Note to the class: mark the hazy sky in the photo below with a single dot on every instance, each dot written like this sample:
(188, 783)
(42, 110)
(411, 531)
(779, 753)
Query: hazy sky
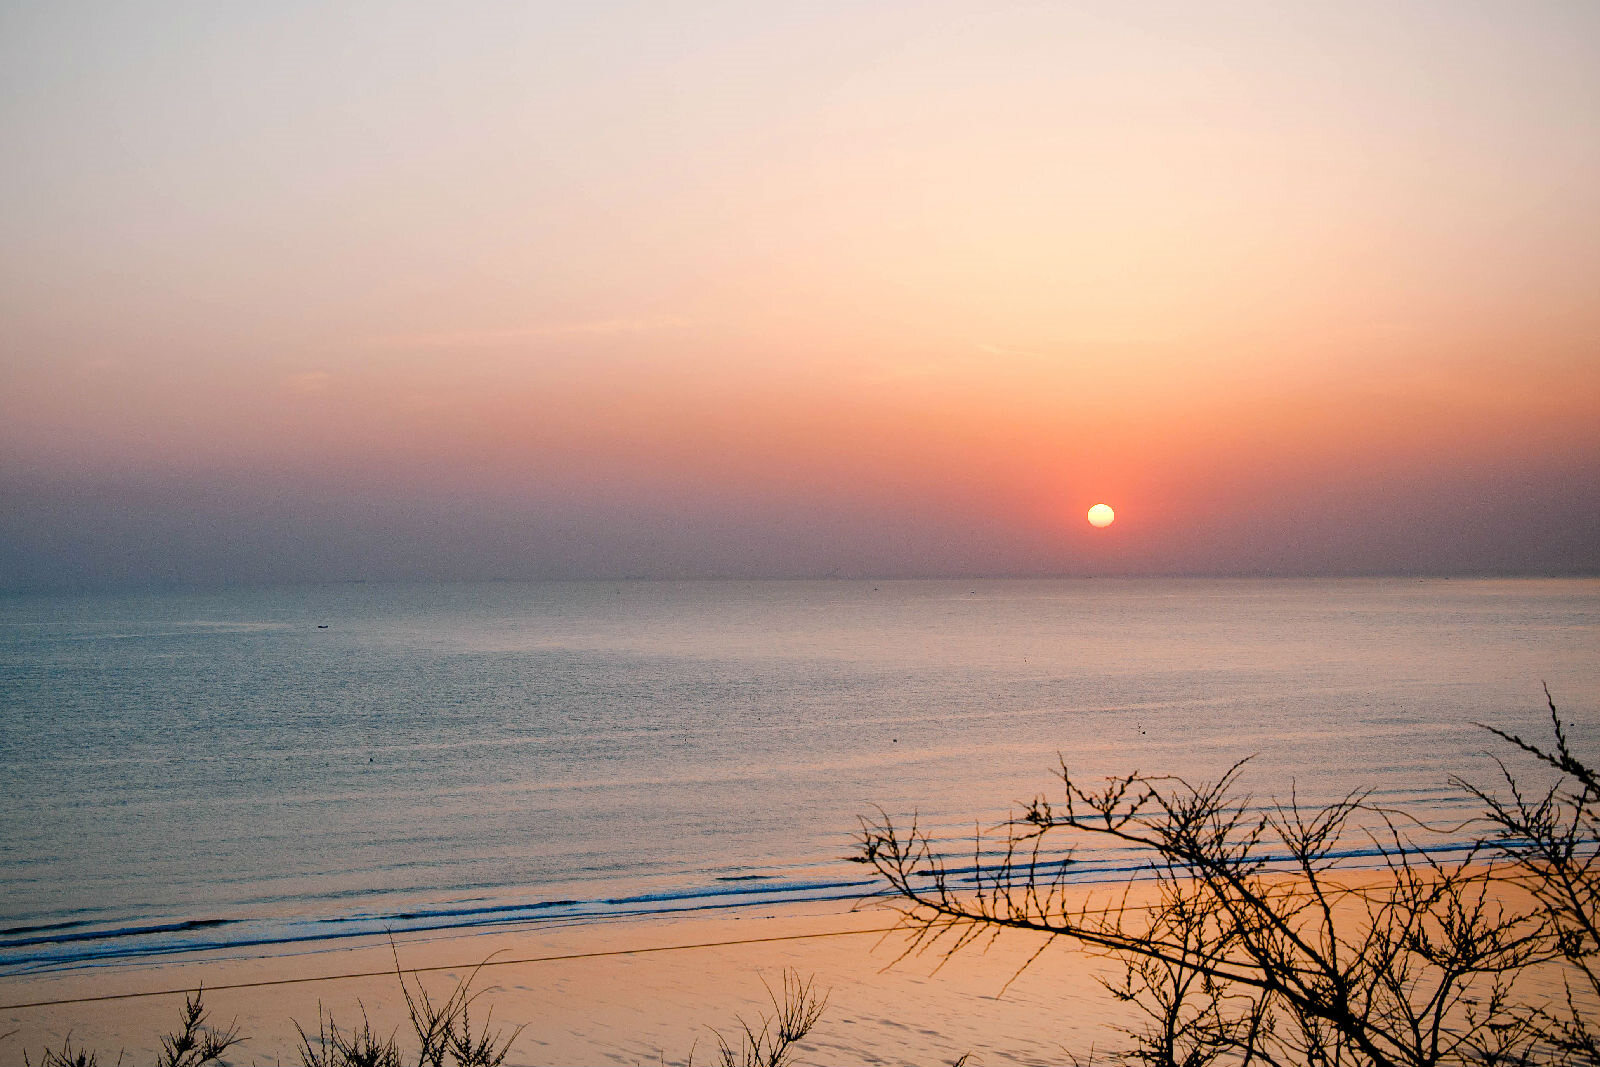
(308, 291)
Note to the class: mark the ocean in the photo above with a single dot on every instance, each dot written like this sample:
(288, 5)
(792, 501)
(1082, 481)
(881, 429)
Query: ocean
(255, 769)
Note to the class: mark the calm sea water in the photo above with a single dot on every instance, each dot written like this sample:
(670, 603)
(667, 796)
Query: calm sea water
(265, 767)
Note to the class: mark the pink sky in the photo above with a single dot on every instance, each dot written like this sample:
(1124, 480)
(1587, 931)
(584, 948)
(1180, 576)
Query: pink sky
(698, 289)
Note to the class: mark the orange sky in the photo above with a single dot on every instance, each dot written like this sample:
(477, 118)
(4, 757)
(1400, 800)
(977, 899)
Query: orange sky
(699, 289)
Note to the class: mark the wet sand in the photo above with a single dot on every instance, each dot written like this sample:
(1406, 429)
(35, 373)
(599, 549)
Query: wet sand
(612, 993)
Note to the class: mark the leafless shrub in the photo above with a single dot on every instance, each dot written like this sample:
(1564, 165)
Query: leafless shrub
(194, 1044)
(1246, 939)
(67, 1057)
(444, 1030)
(1550, 841)
(359, 1047)
(796, 1008)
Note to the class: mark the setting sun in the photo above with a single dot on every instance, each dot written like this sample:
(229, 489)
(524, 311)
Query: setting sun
(1101, 515)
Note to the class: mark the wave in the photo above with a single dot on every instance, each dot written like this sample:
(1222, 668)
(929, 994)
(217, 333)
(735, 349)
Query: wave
(66, 945)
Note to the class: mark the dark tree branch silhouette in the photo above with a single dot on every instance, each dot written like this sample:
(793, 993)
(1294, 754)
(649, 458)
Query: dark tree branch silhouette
(796, 1008)
(1248, 938)
(1549, 841)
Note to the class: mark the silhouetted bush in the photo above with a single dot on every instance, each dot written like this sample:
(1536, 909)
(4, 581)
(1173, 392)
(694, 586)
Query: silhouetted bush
(771, 1044)
(446, 1037)
(194, 1044)
(1247, 938)
(1548, 842)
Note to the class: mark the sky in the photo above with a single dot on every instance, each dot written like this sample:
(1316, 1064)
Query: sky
(318, 292)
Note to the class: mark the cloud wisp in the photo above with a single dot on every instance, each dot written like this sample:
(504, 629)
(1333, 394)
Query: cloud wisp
(494, 338)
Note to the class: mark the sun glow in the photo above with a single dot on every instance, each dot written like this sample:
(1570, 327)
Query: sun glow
(1101, 515)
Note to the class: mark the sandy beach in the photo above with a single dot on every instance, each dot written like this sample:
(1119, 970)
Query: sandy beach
(615, 993)
(649, 991)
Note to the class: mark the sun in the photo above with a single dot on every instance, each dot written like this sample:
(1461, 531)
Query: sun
(1101, 515)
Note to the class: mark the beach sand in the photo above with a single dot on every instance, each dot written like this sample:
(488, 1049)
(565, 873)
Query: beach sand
(629, 992)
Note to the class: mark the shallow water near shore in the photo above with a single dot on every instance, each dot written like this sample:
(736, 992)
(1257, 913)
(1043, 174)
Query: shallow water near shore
(253, 770)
